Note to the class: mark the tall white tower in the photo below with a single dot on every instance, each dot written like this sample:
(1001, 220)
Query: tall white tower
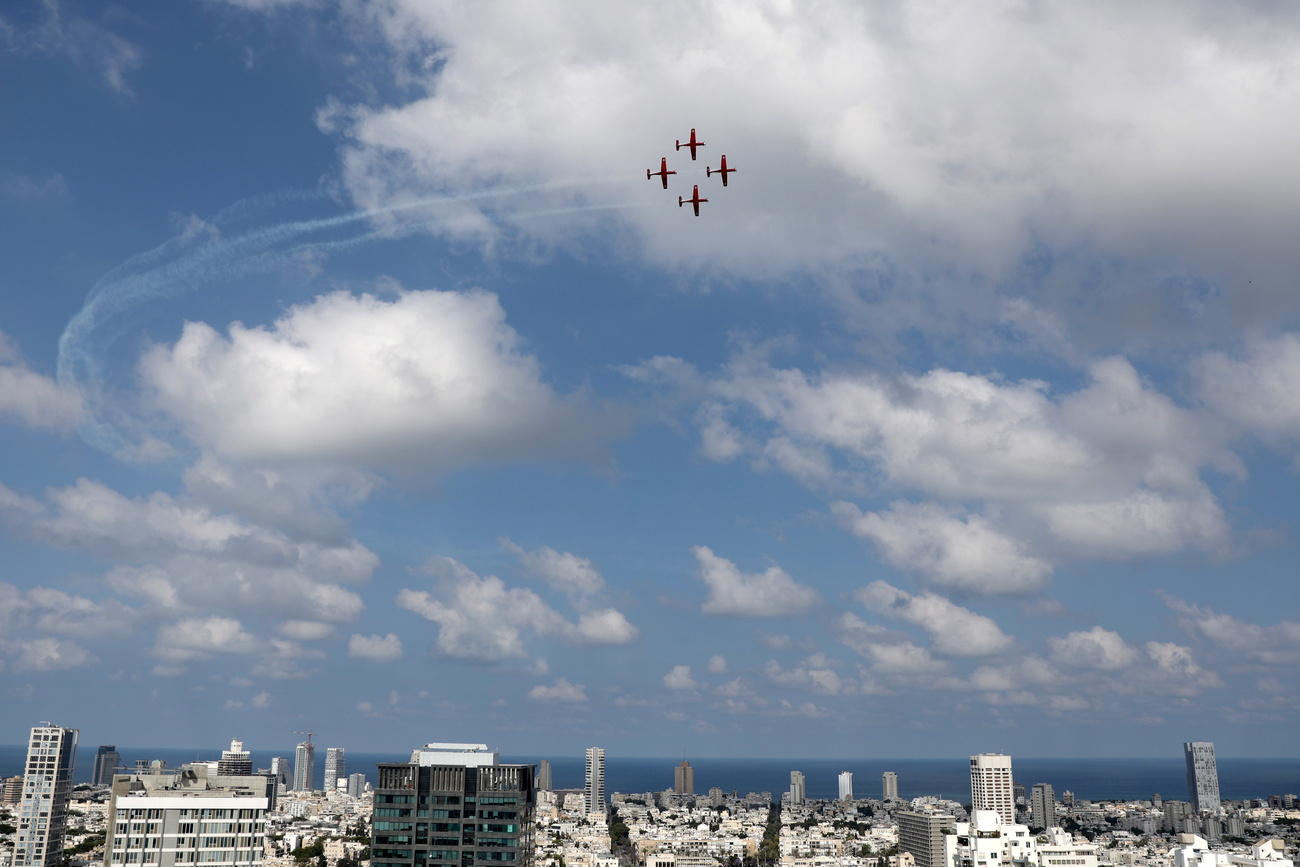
(889, 786)
(1202, 776)
(991, 787)
(236, 761)
(595, 790)
(336, 767)
(798, 787)
(47, 783)
(304, 766)
(846, 785)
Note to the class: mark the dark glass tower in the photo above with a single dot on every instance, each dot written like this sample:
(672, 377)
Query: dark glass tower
(106, 761)
(453, 816)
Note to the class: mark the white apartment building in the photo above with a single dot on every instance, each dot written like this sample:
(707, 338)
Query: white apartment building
(846, 785)
(1194, 851)
(594, 791)
(991, 786)
(987, 841)
(889, 786)
(43, 807)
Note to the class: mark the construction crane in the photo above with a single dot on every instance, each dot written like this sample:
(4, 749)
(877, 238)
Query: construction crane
(302, 732)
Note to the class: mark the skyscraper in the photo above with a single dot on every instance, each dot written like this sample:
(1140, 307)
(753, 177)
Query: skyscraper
(595, 780)
(991, 786)
(1042, 806)
(846, 785)
(889, 786)
(106, 761)
(1202, 776)
(356, 785)
(336, 766)
(684, 779)
(922, 833)
(304, 766)
(47, 783)
(490, 805)
(236, 761)
(798, 787)
(544, 775)
(280, 770)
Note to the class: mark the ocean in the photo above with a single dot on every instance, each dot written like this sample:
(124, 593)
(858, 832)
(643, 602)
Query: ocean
(1094, 779)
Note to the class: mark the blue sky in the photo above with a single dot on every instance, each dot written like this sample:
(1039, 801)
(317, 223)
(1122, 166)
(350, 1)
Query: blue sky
(353, 378)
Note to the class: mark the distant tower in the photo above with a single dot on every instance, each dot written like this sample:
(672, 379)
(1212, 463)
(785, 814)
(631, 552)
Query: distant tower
(236, 761)
(846, 785)
(47, 783)
(684, 779)
(304, 766)
(594, 797)
(991, 787)
(106, 761)
(798, 787)
(336, 766)
(889, 786)
(544, 775)
(356, 785)
(280, 770)
(1042, 806)
(1202, 776)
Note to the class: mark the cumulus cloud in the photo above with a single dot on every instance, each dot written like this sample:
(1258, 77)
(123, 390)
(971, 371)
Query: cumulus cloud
(955, 630)
(951, 551)
(814, 674)
(1177, 663)
(31, 398)
(769, 593)
(376, 648)
(1256, 392)
(200, 638)
(306, 630)
(1098, 648)
(560, 691)
(1278, 643)
(427, 380)
(568, 573)
(717, 664)
(679, 677)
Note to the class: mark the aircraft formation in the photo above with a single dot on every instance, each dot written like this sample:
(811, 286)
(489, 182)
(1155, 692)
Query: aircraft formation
(692, 144)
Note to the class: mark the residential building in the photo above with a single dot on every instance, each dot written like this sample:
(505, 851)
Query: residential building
(188, 816)
(1194, 851)
(684, 779)
(846, 785)
(991, 785)
(106, 761)
(356, 785)
(236, 761)
(1202, 776)
(43, 808)
(544, 775)
(987, 841)
(280, 771)
(1042, 806)
(798, 788)
(1061, 850)
(304, 766)
(465, 814)
(889, 786)
(336, 767)
(594, 789)
(12, 792)
(921, 833)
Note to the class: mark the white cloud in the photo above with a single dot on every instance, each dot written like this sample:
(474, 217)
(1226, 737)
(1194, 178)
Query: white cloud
(306, 630)
(427, 380)
(717, 664)
(950, 551)
(679, 677)
(49, 654)
(769, 593)
(814, 674)
(607, 626)
(1275, 644)
(1097, 648)
(1177, 662)
(32, 399)
(376, 648)
(1256, 392)
(560, 691)
(569, 573)
(955, 630)
(199, 638)
(261, 700)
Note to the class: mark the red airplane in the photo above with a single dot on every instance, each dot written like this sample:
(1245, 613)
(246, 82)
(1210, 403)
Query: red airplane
(663, 173)
(694, 200)
(722, 171)
(692, 144)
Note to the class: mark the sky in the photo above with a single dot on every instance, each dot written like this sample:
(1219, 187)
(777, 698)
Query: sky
(354, 378)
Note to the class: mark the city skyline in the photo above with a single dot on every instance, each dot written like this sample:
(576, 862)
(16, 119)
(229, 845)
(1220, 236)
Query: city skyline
(354, 376)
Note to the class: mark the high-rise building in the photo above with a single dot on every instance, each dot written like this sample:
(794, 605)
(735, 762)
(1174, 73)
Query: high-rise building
(684, 779)
(47, 783)
(280, 771)
(798, 787)
(991, 786)
(889, 786)
(188, 816)
(356, 785)
(489, 805)
(1202, 776)
(304, 766)
(846, 785)
(544, 775)
(1042, 806)
(236, 761)
(922, 833)
(12, 792)
(594, 789)
(106, 761)
(336, 766)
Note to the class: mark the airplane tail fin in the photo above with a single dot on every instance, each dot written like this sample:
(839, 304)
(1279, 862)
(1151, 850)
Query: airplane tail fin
(679, 201)
(647, 174)
(678, 143)
(708, 172)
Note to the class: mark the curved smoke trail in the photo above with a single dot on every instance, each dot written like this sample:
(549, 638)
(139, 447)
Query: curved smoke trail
(194, 259)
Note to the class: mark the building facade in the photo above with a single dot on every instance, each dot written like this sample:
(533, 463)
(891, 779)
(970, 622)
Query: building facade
(684, 779)
(12, 792)
(236, 761)
(428, 814)
(304, 767)
(43, 808)
(280, 770)
(336, 767)
(1202, 776)
(106, 761)
(889, 786)
(846, 785)
(594, 788)
(356, 785)
(922, 834)
(1042, 806)
(991, 785)
(544, 776)
(798, 788)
